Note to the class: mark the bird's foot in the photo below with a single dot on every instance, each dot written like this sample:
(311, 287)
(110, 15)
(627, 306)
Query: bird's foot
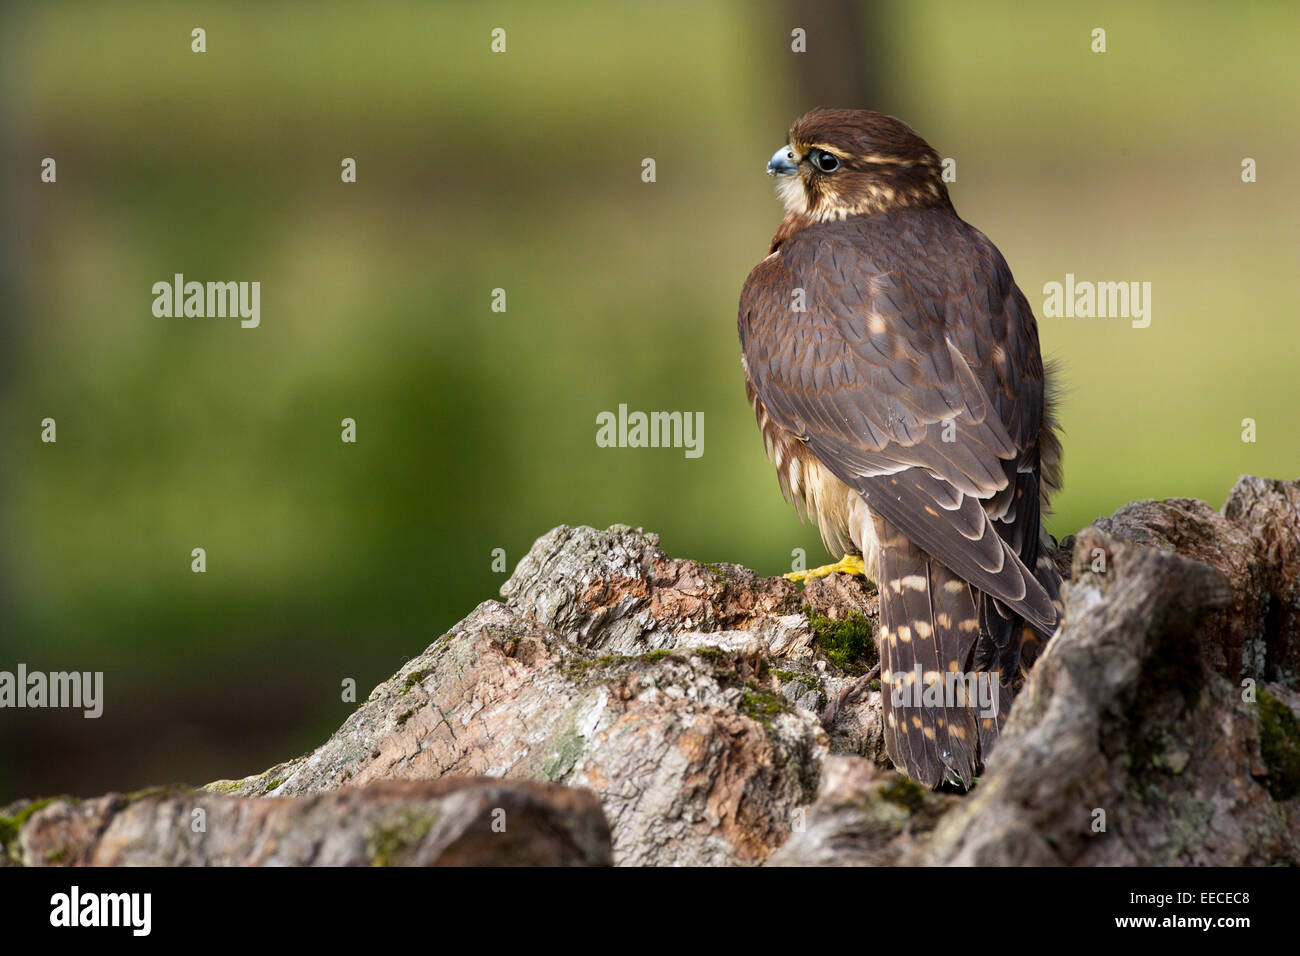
(849, 564)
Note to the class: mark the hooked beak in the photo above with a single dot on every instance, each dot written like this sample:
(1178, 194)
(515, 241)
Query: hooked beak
(782, 162)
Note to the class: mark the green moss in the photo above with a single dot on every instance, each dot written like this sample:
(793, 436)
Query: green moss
(902, 792)
(413, 678)
(1279, 745)
(397, 839)
(9, 827)
(568, 748)
(712, 654)
(847, 643)
(575, 668)
(761, 706)
(271, 785)
(579, 668)
(57, 856)
(405, 716)
(164, 790)
(254, 784)
(790, 677)
(224, 786)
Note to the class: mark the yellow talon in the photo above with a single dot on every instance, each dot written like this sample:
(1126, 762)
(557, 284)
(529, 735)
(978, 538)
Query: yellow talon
(849, 564)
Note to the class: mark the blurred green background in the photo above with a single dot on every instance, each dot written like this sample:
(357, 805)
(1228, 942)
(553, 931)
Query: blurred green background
(476, 430)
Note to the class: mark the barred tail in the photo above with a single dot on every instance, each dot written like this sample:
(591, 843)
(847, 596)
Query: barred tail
(942, 649)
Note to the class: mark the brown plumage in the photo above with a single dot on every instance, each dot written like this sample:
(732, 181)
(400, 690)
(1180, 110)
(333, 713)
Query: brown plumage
(894, 369)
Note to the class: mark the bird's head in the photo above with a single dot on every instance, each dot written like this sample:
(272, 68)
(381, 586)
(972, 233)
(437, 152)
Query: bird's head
(841, 163)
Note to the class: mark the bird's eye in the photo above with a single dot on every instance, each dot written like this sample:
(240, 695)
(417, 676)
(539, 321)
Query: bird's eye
(826, 162)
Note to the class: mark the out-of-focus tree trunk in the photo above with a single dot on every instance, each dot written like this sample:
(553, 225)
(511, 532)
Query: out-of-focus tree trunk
(847, 63)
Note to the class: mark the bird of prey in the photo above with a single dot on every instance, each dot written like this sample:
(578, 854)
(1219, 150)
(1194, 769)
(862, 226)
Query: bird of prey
(895, 372)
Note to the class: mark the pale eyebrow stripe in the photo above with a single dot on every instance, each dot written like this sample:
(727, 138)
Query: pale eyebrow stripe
(876, 158)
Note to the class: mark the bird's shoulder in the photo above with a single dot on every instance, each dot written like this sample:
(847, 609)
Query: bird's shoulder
(926, 274)
(894, 245)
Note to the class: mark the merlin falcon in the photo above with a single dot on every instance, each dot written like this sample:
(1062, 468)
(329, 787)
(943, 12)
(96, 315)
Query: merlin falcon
(895, 372)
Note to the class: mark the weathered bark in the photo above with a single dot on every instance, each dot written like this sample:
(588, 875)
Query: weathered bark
(1150, 732)
(449, 822)
(684, 695)
(864, 816)
(1269, 511)
(1124, 747)
(1158, 727)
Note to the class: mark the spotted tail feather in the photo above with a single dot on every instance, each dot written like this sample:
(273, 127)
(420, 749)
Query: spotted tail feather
(942, 710)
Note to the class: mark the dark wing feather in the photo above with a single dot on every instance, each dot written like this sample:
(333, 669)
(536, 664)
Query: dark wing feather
(913, 375)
